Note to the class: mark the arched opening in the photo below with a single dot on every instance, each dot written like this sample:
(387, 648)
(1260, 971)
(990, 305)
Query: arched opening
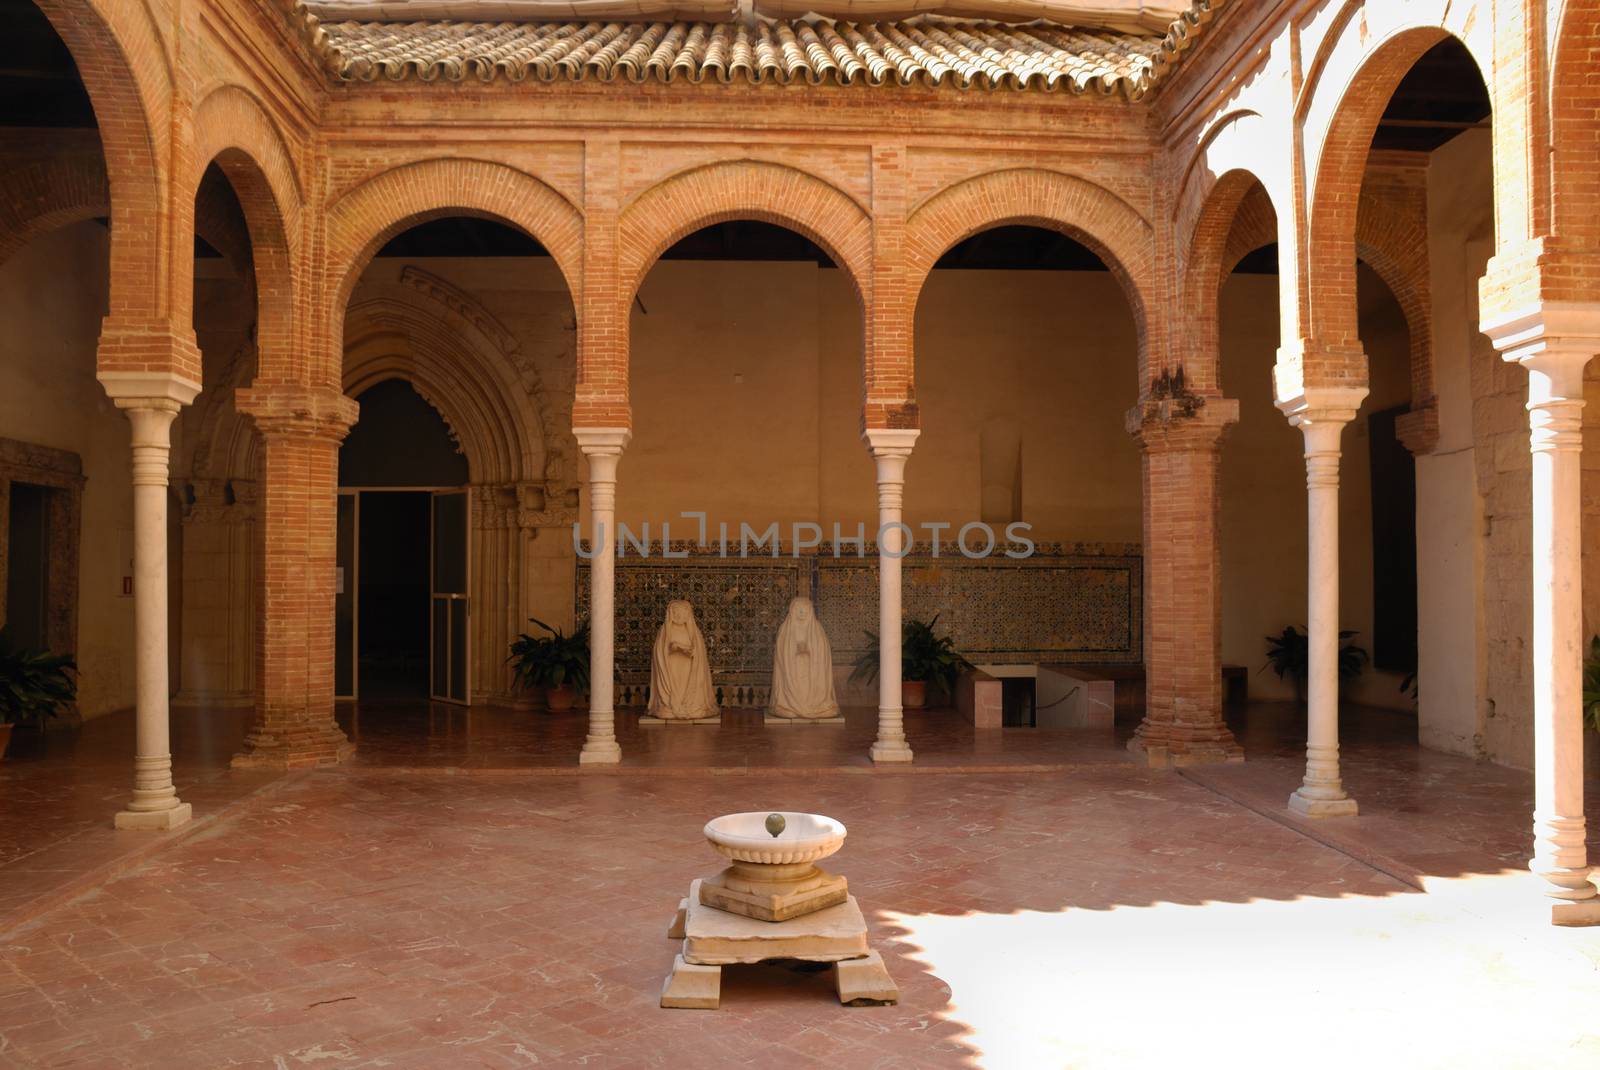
(1389, 201)
(1428, 180)
(1263, 530)
(745, 378)
(212, 535)
(1027, 360)
(457, 482)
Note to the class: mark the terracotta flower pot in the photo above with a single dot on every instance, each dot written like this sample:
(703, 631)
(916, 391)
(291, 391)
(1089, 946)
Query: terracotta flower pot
(5, 739)
(560, 699)
(913, 694)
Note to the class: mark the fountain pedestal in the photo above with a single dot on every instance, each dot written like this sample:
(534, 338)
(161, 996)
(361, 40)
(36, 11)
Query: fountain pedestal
(772, 902)
(773, 893)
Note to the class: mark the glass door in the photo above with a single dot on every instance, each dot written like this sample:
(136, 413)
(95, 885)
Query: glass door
(450, 615)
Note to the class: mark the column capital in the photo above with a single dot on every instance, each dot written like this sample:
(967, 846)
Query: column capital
(602, 441)
(1556, 339)
(1322, 406)
(292, 409)
(1306, 366)
(148, 390)
(1194, 422)
(890, 441)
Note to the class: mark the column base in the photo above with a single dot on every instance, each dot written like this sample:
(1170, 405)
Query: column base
(154, 820)
(1561, 882)
(1307, 807)
(294, 747)
(891, 752)
(1575, 912)
(1163, 754)
(593, 753)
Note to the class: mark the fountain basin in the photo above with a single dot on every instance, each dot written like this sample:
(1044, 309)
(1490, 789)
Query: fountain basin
(774, 878)
(806, 838)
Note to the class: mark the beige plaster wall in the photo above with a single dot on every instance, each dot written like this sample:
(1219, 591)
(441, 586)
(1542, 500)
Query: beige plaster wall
(52, 298)
(1452, 697)
(1263, 517)
(746, 386)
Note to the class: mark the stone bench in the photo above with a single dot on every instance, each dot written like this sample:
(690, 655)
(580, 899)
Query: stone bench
(978, 697)
(1067, 696)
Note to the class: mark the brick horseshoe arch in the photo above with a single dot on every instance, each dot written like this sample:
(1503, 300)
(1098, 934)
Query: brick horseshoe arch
(53, 191)
(1336, 202)
(683, 203)
(363, 219)
(713, 193)
(233, 130)
(1236, 217)
(124, 67)
(1080, 209)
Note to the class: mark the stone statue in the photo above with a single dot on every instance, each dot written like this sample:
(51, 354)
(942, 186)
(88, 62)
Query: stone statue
(680, 673)
(802, 667)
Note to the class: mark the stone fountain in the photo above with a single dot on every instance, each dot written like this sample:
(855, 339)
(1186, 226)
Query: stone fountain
(772, 902)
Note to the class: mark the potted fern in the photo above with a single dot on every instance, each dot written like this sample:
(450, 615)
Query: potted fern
(1289, 655)
(34, 686)
(557, 662)
(926, 659)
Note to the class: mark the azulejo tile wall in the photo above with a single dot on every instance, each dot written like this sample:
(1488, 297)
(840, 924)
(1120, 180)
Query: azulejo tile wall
(1076, 603)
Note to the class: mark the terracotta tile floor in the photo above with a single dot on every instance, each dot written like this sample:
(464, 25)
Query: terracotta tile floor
(1423, 814)
(58, 795)
(1096, 914)
(422, 736)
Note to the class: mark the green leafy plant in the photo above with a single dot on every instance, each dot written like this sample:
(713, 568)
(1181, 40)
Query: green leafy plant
(1289, 655)
(1591, 684)
(925, 656)
(34, 684)
(553, 660)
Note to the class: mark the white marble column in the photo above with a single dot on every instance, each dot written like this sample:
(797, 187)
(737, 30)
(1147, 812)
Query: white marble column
(1321, 416)
(890, 450)
(603, 447)
(151, 404)
(1555, 345)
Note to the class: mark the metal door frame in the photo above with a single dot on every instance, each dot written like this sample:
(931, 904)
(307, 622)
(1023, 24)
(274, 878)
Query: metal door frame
(451, 597)
(355, 589)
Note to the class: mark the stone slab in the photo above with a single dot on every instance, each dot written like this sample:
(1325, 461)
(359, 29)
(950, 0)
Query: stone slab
(827, 890)
(714, 937)
(645, 719)
(865, 982)
(692, 987)
(675, 929)
(768, 718)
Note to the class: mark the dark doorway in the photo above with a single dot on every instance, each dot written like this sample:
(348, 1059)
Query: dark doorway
(1394, 546)
(392, 644)
(1018, 702)
(28, 567)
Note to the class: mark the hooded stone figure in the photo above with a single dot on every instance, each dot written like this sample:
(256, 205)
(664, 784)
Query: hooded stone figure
(680, 673)
(802, 667)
